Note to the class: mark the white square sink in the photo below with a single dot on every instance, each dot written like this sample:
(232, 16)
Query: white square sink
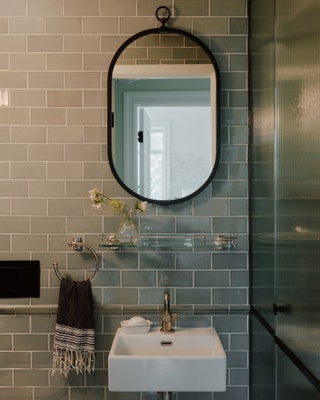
(190, 359)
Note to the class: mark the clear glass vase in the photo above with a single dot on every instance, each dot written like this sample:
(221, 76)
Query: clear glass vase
(127, 231)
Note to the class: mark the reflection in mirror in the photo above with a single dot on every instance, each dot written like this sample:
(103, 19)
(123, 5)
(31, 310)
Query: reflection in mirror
(162, 101)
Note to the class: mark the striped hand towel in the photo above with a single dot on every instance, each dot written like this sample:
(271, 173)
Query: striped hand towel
(74, 336)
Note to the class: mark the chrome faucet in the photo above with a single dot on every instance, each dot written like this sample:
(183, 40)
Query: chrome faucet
(167, 316)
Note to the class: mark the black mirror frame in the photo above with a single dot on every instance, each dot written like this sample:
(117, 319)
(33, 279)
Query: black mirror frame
(161, 30)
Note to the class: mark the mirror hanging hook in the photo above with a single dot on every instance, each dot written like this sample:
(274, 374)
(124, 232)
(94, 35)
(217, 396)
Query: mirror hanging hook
(163, 19)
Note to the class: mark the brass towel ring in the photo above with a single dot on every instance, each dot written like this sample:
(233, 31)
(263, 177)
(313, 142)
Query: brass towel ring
(75, 244)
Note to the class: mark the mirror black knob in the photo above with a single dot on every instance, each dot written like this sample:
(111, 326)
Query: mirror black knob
(140, 136)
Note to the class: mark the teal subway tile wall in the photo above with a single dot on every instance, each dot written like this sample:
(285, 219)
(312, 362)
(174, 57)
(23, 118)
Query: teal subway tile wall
(54, 58)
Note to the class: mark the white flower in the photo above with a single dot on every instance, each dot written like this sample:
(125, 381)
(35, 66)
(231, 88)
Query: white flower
(94, 194)
(143, 206)
(97, 206)
(97, 198)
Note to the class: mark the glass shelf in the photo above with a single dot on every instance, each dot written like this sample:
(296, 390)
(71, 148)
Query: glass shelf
(173, 243)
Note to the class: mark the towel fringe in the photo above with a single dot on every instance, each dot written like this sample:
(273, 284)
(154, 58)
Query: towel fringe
(65, 359)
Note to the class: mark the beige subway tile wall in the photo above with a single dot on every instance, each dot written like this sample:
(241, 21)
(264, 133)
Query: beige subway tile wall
(54, 58)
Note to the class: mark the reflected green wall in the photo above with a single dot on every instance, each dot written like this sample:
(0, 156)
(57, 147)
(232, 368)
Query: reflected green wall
(285, 190)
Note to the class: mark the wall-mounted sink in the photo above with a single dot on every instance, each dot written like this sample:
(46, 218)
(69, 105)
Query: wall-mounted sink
(191, 359)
